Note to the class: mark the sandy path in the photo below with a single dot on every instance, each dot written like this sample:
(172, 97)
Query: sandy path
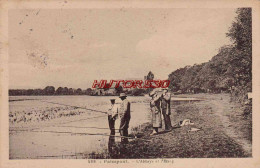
(221, 109)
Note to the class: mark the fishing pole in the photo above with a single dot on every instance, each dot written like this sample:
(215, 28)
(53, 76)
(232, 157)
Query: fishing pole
(99, 111)
(73, 133)
(56, 124)
(74, 106)
(85, 127)
(68, 121)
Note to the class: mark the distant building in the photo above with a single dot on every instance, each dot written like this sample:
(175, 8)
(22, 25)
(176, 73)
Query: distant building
(98, 91)
(110, 91)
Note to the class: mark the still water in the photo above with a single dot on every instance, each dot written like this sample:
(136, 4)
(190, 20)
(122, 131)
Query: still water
(71, 136)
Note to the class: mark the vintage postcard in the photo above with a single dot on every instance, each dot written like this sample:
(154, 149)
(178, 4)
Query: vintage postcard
(129, 83)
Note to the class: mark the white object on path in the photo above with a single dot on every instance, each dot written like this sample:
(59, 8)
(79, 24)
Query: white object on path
(185, 122)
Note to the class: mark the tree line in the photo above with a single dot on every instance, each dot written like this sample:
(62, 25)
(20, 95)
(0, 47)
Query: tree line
(50, 90)
(228, 71)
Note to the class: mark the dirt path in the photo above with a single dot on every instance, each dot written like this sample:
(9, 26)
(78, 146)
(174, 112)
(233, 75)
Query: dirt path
(222, 109)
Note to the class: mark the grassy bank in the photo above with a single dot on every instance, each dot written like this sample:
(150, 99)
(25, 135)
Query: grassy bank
(223, 132)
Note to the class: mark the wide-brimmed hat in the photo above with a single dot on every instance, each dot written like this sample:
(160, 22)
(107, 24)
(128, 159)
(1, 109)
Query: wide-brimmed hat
(122, 95)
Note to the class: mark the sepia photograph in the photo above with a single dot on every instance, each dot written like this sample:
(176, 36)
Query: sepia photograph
(126, 83)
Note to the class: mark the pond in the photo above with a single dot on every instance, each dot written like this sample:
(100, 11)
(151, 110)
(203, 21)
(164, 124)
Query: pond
(68, 136)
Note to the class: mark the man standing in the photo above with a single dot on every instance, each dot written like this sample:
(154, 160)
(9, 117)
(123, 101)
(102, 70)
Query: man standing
(112, 116)
(124, 117)
(166, 109)
(155, 105)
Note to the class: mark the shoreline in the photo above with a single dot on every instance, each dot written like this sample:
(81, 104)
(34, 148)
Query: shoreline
(223, 132)
(218, 135)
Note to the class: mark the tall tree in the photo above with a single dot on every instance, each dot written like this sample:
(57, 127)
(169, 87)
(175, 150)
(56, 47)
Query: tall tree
(150, 76)
(71, 91)
(79, 91)
(49, 90)
(59, 91)
(119, 89)
(241, 30)
(89, 91)
(241, 59)
(230, 68)
(65, 91)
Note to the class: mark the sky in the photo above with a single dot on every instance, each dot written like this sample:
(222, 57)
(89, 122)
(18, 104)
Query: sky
(74, 47)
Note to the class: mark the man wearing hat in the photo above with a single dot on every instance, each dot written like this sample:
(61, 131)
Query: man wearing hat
(112, 112)
(166, 109)
(124, 116)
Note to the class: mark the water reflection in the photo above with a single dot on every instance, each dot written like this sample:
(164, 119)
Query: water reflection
(117, 149)
(111, 146)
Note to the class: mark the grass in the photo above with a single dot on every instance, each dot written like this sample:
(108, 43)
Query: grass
(223, 128)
